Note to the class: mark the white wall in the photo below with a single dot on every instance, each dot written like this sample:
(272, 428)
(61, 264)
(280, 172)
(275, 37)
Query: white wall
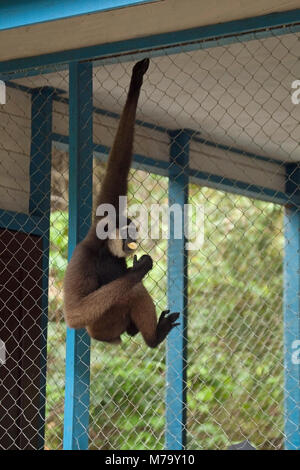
(154, 144)
(15, 135)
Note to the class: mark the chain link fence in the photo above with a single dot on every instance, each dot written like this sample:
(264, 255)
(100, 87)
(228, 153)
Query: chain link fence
(235, 98)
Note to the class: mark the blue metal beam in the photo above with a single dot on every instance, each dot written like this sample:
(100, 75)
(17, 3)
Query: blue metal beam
(41, 142)
(39, 209)
(76, 419)
(253, 191)
(23, 222)
(202, 178)
(177, 295)
(292, 315)
(17, 13)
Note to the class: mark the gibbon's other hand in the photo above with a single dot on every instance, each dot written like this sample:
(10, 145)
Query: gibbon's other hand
(144, 264)
(166, 323)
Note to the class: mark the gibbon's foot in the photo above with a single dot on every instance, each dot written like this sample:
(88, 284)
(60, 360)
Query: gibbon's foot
(138, 72)
(143, 265)
(165, 324)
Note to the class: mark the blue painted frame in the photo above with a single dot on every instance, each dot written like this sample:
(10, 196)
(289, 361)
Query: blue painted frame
(292, 314)
(39, 209)
(292, 326)
(208, 36)
(76, 418)
(175, 435)
(23, 222)
(17, 13)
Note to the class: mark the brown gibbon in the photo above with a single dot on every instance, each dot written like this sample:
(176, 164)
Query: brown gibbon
(101, 293)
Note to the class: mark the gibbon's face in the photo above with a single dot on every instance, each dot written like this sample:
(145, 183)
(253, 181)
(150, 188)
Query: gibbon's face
(125, 243)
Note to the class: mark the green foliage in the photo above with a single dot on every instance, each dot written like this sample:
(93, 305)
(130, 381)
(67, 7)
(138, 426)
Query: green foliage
(58, 262)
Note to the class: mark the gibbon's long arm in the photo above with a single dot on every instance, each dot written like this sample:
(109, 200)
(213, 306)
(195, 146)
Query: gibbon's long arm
(119, 161)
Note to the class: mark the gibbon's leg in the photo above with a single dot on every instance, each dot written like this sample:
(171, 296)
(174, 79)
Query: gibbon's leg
(82, 310)
(143, 315)
(111, 325)
(88, 309)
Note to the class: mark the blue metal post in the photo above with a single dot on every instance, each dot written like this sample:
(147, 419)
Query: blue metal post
(76, 420)
(177, 296)
(39, 206)
(292, 313)
(40, 152)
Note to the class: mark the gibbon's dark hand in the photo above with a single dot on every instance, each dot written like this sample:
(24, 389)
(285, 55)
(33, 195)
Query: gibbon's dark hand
(144, 264)
(166, 324)
(138, 72)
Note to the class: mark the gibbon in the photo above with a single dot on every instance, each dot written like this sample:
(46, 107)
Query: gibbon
(101, 293)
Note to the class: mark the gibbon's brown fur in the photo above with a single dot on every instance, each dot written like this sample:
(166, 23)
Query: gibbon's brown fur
(100, 293)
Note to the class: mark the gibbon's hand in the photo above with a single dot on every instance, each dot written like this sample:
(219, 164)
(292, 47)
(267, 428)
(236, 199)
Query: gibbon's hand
(143, 265)
(166, 324)
(138, 71)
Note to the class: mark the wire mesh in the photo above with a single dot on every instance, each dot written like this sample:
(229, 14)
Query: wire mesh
(236, 101)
